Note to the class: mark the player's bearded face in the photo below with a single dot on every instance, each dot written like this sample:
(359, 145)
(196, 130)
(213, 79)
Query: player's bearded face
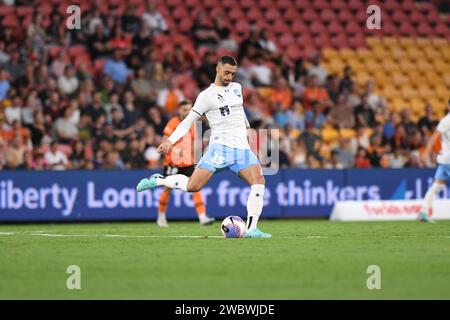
(226, 73)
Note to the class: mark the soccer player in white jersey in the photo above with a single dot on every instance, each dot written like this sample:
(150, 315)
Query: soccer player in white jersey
(222, 103)
(442, 175)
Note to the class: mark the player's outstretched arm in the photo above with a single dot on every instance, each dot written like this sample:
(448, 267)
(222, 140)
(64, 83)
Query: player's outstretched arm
(179, 132)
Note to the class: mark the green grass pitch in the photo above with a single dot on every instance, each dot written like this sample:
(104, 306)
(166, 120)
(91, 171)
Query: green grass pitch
(305, 259)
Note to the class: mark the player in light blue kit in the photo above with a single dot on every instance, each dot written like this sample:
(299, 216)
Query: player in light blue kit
(222, 103)
(442, 175)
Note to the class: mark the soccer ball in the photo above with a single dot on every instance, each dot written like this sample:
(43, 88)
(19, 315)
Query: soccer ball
(233, 227)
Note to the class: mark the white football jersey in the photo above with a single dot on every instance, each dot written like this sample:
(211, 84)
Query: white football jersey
(444, 128)
(224, 110)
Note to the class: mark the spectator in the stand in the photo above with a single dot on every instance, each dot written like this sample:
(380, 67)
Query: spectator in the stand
(372, 98)
(154, 19)
(427, 122)
(66, 131)
(314, 92)
(345, 154)
(14, 112)
(56, 30)
(354, 96)
(334, 161)
(362, 158)
(170, 98)
(157, 120)
(203, 33)
(4, 84)
(68, 82)
(296, 116)
(113, 104)
(133, 158)
(346, 82)
(95, 109)
(15, 155)
(207, 71)
(311, 140)
(142, 86)
(55, 159)
(120, 41)
(142, 42)
(364, 114)
(260, 73)
(130, 20)
(332, 87)
(130, 112)
(389, 129)
(250, 48)
(406, 119)
(341, 116)
(315, 117)
(116, 68)
(15, 67)
(298, 154)
(181, 61)
(222, 30)
(281, 94)
(99, 44)
(315, 69)
(37, 129)
(266, 44)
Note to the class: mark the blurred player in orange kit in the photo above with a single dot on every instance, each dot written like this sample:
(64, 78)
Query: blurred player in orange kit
(180, 160)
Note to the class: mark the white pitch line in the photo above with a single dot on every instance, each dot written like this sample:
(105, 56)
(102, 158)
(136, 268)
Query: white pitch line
(41, 234)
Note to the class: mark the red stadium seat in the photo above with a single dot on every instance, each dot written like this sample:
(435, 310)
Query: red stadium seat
(407, 29)
(335, 28)
(236, 14)
(285, 5)
(345, 16)
(24, 11)
(286, 40)
(272, 15)
(352, 28)
(179, 13)
(291, 16)
(11, 22)
(266, 4)
(185, 25)
(356, 41)
(442, 30)
(327, 16)
(392, 6)
(280, 27)
(77, 50)
(299, 27)
(254, 15)
(424, 29)
(310, 15)
(356, 6)
(338, 5)
(408, 6)
(417, 17)
(6, 11)
(317, 28)
(242, 27)
(320, 4)
(398, 17)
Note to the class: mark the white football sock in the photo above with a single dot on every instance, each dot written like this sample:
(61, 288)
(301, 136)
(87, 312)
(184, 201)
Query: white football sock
(177, 181)
(255, 205)
(431, 194)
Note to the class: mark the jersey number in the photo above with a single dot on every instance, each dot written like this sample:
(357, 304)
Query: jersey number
(224, 111)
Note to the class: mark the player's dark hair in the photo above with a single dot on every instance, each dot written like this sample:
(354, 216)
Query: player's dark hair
(184, 102)
(227, 60)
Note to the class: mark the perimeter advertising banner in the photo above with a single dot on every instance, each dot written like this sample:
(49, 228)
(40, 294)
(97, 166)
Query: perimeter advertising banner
(111, 195)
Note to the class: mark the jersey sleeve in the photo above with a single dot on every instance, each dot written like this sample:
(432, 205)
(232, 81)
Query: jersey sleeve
(202, 104)
(444, 125)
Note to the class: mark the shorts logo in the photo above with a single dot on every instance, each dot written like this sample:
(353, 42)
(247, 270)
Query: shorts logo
(224, 111)
(216, 159)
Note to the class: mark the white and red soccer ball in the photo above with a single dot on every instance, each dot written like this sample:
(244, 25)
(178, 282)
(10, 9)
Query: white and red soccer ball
(233, 227)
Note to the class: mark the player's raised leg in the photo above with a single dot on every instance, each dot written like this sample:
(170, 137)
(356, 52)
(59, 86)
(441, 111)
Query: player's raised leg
(254, 177)
(163, 203)
(177, 181)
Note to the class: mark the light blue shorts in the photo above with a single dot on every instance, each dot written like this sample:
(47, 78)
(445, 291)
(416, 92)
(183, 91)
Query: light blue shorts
(442, 172)
(219, 157)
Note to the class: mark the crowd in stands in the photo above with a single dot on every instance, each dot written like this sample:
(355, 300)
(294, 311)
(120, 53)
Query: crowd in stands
(99, 97)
